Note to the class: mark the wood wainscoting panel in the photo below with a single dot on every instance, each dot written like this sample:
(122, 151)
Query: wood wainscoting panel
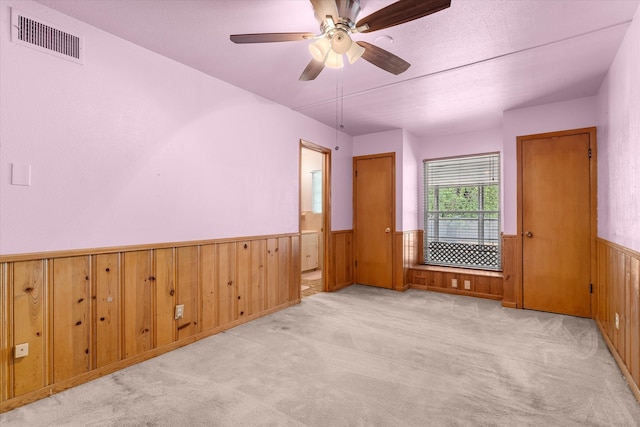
(341, 259)
(187, 262)
(164, 287)
(398, 263)
(71, 318)
(29, 302)
(5, 326)
(226, 282)
(243, 278)
(137, 302)
(284, 263)
(87, 313)
(208, 281)
(107, 292)
(251, 269)
(618, 306)
(509, 271)
(632, 318)
(480, 283)
(295, 265)
(271, 290)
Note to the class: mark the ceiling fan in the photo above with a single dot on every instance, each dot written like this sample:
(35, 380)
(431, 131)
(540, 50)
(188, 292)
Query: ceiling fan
(338, 21)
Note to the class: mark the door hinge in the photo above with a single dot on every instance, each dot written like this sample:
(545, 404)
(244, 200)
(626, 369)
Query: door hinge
(356, 263)
(590, 288)
(590, 153)
(356, 172)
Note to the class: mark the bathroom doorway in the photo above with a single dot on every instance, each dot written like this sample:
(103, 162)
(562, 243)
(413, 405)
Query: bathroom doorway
(314, 217)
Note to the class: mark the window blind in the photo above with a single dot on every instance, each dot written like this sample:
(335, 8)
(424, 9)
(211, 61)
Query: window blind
(462, 211)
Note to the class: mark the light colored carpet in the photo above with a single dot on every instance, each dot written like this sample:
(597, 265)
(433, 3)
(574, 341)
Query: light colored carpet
(366, 357)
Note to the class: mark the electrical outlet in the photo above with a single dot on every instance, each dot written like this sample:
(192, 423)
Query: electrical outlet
(179, 311)
(21, 350)
(467, 285)
(454, 283)
(617, 321)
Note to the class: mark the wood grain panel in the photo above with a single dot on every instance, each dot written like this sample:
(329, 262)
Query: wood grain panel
(5, 325)
(108, 302)
(632, 316)
(208, 285)
(187, 283)
(271, 291)
(71, 317)
(100, 311)
(295, 273)
(284, 264)
(398, 263)
(257, 289)
(509, 271)
(138, 302)
(164, 288)
(226, 282)
(341, 259)
(483, 284)
(243, 278)
(618, 274)
(618, 299)
(29, 325)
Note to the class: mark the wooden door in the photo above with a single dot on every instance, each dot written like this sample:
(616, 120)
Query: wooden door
(556, 222)
(374, 219)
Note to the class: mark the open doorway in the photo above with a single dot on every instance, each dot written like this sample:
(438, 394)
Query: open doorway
(314, 217)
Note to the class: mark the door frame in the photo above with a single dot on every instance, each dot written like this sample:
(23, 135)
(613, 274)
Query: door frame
(327, 267)
(593, 193)
(354, 248)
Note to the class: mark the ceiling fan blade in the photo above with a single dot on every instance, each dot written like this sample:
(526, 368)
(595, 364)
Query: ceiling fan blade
(383, 59)
(400, 12)
(312, 71)
(324, 8)
(269, 37)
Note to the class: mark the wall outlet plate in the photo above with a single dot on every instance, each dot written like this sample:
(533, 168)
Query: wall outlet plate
(454, 283)
(179, 311)
(21, 350)
(467, 284)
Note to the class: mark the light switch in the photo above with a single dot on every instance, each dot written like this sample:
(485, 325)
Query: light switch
(20, 174)
(21, 350)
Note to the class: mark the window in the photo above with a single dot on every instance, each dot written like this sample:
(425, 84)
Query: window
(462, 212)
(316, 191)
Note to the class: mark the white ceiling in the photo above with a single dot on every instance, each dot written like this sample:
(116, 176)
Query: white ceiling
(470, 62)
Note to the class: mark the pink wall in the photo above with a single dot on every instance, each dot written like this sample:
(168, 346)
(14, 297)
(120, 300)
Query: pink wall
(619, 145)
(574, 114)
(134, 148)
(410, 183)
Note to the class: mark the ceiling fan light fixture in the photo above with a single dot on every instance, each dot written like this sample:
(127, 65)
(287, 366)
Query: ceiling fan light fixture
(355, 52)
(334, 60)
(341, 42)
(320, 48)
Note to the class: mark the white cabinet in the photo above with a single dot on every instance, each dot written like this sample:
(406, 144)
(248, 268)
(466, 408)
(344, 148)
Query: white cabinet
(309, 250)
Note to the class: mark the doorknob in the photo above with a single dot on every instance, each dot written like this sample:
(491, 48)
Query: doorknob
(387, 230)
(529, 234)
